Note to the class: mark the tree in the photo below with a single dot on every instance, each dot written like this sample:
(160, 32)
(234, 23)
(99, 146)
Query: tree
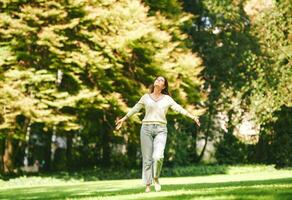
(76, 65)
(271, 99)
(244, 73)
(272, 29)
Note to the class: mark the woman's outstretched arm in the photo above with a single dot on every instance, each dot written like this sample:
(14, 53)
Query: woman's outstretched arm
(137, 107)
(178, 108)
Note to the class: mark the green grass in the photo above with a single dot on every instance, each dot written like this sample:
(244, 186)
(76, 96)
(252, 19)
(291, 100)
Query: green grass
(237, 182)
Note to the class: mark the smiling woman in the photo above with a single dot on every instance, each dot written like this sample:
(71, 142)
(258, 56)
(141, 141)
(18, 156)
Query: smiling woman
(153, 131)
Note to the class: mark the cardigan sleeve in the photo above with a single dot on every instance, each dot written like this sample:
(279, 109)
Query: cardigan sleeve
(178, 108)
(137, 107)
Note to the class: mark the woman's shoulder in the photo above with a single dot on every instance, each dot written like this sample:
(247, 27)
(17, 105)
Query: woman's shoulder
(168, 96)
(145, 95)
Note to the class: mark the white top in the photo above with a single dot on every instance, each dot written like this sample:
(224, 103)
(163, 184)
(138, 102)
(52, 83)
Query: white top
(156, 109)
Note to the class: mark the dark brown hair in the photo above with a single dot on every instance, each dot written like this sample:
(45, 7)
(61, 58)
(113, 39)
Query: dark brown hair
(165, 90)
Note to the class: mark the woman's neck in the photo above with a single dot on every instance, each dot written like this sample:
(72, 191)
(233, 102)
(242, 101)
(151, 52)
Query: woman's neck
(156, 92)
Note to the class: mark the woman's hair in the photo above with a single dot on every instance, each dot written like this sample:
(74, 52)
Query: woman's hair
(165, 90)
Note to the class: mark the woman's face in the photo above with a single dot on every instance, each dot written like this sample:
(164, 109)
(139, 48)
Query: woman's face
(159, 82)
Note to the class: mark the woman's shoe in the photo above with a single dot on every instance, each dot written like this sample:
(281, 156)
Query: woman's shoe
(157, 186)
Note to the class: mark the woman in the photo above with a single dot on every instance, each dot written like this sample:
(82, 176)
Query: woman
(153, 131)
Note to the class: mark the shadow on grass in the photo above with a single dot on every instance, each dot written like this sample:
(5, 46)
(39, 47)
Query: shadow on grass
(264, 189)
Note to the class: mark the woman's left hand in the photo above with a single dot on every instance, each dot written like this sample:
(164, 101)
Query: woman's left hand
(196, 120)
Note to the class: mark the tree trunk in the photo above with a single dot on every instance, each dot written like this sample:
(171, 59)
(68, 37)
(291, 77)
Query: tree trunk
(204, 148)
(8, 154)
(47, 157)
(2, 146)
(206, 136)
(69, 150)
(106, 139)
(106, 149)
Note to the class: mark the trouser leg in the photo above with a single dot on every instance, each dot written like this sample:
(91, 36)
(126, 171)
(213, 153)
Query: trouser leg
(158, 150)
(147, 151)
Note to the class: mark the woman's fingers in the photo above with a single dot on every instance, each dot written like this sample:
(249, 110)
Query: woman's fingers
(117, 120)
(198, 122)
(118, 126)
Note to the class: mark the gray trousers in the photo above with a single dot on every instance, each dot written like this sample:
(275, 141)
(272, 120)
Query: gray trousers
(153, 140)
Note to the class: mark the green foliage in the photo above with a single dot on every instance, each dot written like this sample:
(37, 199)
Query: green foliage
(117, 172)
(194, 170)
(170, 8)
(270, 100)
(281, 142)
(77, 65)
(230, 150)
(181, 143)
(247, 59)
(273, 29)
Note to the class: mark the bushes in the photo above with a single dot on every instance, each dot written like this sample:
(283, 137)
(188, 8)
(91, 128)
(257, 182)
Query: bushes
(282, 148)
(194, 170)
(275, 142)
(281, 144)
(181, 143)
(230, 150)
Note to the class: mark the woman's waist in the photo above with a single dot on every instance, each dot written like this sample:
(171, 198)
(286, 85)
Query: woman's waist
(161, 123)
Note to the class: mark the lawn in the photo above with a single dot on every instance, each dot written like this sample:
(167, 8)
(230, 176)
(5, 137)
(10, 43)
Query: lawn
(236, 183)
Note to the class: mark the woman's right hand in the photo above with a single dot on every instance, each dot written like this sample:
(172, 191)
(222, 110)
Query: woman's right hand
(119, 122)
(196, 120)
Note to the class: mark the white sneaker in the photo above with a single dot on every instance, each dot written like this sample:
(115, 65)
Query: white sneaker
(157, 187)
